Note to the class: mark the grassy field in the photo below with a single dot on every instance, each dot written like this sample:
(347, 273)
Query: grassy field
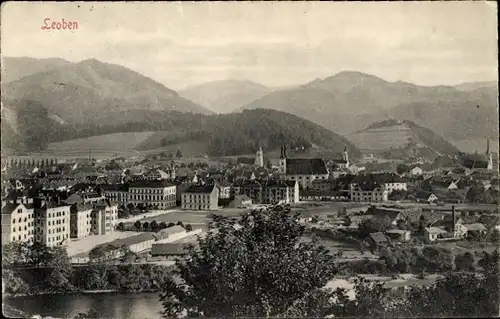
(111, 142)
(192, 217)
(382, 138)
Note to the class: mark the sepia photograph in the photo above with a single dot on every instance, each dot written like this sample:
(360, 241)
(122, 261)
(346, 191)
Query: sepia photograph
(267, 159)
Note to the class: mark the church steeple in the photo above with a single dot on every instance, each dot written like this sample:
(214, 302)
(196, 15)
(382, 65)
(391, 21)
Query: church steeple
(282, 161)
(259, 157)
(283, 151)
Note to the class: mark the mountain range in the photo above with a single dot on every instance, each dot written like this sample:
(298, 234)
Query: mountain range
(78, 93)
(88, 98)
(225, 96)
(350, 101)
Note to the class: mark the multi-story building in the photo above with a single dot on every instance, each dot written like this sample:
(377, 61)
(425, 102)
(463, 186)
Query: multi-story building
(303, 170)
(17, 223)
(269, 191)
(280, 192)
(375, 187)
(224, 189)
(252, 189)
(80, 220)
(52, 222)
(117, 193)
(201, 197)
(104, 217)
(160, 194)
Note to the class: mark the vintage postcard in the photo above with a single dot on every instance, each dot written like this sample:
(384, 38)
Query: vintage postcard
(250, 159)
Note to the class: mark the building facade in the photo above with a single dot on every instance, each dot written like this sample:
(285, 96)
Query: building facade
(80, 220)
(200, 197)
(117, 193)
(375, 187)
(303, 170)
(104, 217)
(17, 223)
(160, 194)
(52, 222)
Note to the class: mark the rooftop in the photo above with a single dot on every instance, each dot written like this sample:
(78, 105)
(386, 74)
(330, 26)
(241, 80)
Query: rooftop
(151, 184)
(200, 189)
(305, 166)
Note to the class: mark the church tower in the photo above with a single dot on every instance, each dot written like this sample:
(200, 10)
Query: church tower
(489, 155)
(259, 157)
(345, 157)
(282, 162)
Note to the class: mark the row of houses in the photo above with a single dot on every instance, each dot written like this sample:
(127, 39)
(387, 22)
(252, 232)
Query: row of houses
(52, 221)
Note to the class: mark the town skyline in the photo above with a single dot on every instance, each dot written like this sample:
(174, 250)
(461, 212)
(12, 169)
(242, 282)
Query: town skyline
(312, 40)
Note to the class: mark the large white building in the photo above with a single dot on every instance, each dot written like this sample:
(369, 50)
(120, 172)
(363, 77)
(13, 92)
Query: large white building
(104, 217)
(200, 197)
(17, 223)
(303, 170)
(159, 193)
(52, 222)
(80, 220)
(269, 191)
(375, 187)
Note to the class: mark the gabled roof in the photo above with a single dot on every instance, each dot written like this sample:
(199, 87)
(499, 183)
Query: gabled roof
(170, 231)
(150, 184)
(245, 160)
(378, 237)
(114, 187)
(435, 230)
(200, 189)
(378, 212)
(127, 241)
(9, 208)
(305, 166)
(475, 227)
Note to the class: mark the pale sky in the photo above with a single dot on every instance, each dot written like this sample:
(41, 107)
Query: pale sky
(276, 44)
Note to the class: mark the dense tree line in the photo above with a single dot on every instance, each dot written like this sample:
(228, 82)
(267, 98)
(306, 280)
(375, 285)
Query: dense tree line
(227, 134)
(35, 269)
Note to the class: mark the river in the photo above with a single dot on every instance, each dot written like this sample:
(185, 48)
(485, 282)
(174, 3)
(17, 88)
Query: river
(109, 305)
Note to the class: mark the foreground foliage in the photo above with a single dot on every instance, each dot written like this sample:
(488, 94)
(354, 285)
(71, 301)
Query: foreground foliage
(259, 268)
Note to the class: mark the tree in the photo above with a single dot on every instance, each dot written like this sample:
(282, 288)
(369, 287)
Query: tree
(123, 213)
(188, 227)
(374, 225)
(465, 262)
(154, 226)
(178, 154)
(258, 270)
(402, 169)
(347, 221)
(146, 226)
(171, 224)
(398, 194)
(138, 226)
(180, 223)
(163, 225)
(120, 226)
